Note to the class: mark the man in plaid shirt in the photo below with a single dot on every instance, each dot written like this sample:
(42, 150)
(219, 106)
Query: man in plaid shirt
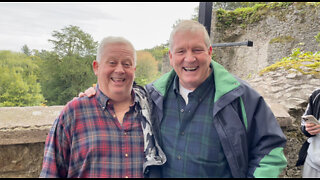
(108, 134)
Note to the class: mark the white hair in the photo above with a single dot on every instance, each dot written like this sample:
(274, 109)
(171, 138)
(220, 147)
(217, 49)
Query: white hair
(192, 26)
(111, 40)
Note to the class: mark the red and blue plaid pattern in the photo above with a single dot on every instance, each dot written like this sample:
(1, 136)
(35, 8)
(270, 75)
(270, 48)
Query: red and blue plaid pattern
(87, 141)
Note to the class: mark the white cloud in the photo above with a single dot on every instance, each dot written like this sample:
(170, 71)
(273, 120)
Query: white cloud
(144, 24)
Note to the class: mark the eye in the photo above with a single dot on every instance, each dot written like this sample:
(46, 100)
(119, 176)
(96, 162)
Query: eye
(181, 51)
(112, 63)
(126, 65)
(197, 51)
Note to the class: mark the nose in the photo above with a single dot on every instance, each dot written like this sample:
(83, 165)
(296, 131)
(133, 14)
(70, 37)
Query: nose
(119, 68)
(189, 57)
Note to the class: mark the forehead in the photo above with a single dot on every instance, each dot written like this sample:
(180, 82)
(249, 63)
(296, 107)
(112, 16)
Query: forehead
(118, 50)
(194, 37)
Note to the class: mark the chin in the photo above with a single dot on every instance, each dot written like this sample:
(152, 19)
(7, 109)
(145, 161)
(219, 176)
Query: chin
(191, 81)
(119, 92)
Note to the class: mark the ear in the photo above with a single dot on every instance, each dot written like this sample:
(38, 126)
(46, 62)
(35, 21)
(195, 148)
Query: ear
(95, 66)
(210, 51)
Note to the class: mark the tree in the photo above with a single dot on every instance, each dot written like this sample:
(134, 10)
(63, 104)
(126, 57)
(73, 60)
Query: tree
(67, 70)
(72, 40)
(147, 68)
(63, 78)
(19, 83)
(25, 49)
(158, 52)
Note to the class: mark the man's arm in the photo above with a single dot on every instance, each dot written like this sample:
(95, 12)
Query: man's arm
(308, 111)
(265, 137)
(56, 152)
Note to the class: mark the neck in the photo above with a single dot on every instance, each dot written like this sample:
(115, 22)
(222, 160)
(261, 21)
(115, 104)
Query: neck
(121, 107)
(122, 102)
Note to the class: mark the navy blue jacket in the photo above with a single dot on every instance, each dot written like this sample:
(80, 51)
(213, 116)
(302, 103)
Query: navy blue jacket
(251, 137)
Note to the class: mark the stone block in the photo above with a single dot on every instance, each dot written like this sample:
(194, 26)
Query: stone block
(19, 125)
(281, 114)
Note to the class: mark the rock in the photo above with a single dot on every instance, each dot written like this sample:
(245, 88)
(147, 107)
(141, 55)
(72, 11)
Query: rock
(287, 95)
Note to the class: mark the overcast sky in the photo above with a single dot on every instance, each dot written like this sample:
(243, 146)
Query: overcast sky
(145, 24)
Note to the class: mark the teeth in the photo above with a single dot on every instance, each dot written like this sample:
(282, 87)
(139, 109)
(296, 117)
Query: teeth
(117, 79)
(190, 69)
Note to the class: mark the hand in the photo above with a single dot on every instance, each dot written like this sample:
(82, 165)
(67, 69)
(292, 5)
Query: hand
(312, 128)
(91, 91)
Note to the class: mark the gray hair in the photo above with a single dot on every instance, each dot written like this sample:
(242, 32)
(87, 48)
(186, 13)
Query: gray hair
(189, 25)
(111, 40)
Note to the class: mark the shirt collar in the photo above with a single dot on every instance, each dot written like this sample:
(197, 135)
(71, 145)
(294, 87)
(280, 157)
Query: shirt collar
(200, 90)
(103, 99)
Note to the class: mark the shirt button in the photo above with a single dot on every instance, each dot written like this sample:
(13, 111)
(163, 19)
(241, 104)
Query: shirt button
(182, 110)
(182, 133)
(126, 155)
(179, 157)
(126, 177)
(125, 133)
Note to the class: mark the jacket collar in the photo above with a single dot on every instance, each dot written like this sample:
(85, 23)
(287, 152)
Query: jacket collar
(224, 81)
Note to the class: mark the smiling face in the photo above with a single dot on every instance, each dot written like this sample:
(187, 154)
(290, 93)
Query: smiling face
(190, 57)
(115, 71)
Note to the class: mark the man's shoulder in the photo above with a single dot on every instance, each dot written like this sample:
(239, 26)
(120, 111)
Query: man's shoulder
(75, 107)
(79, 102)
(139, 89)
(316, 92)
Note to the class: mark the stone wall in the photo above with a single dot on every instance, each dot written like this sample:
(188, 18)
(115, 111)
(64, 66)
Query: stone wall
(274, 36)
(23, 131)
(21, 160)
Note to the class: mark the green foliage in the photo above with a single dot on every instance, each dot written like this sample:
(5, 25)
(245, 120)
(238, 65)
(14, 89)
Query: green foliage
(282, 39)
(67, 70)
(72, 40)
(19, 83)
(241, 16)
(248, 13)
(280, 5)
(62, 79)
(251, 12)
(25, 49)
(234, 5)
(147, 68)
(158, 52)
(303, 62)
